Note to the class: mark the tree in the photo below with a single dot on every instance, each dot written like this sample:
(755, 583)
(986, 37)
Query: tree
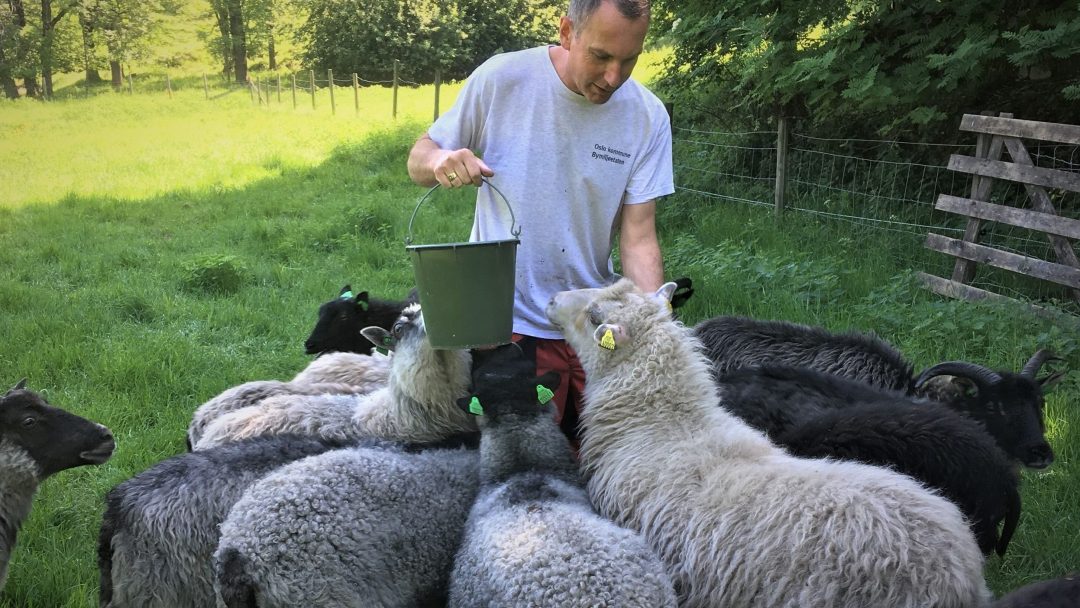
(233, 37)
(873, 67)
(18, 56)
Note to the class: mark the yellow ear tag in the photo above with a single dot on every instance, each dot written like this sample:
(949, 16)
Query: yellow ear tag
(669, 308)
(608, 340)
(543, 394)
(474, 407)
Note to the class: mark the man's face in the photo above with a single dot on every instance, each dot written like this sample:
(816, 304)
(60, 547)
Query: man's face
(603, 52)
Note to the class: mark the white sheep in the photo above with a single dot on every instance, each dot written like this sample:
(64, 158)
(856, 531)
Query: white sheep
(532, 538)
(738, 521)
(416, 404)
(363, 528)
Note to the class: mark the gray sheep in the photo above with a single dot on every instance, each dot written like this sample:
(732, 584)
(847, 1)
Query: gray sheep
(36, 441)
(363, 528)
(817, 415)
(533, 539)
(160, 527)
(1010, 405)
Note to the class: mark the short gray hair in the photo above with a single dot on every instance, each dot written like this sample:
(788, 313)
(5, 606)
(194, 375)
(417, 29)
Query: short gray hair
(580, 10)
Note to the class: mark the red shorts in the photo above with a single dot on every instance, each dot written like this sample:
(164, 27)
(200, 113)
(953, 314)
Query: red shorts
(556, 355)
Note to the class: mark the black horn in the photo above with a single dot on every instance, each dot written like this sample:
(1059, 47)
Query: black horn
(982, 376)
(1036, 362)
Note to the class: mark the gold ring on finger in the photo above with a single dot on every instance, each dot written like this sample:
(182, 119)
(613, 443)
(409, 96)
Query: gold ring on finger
(451, 176)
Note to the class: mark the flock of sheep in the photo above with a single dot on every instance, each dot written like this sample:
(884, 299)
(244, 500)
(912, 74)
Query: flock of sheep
(736, 463)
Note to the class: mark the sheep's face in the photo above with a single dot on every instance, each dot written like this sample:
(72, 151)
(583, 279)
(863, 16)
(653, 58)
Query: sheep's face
(407, 329)
(54, 438)
(506, 388)
(339, 320)
(606, 319)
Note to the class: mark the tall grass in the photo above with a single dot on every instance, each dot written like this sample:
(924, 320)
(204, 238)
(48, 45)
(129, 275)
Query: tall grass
(155, 251)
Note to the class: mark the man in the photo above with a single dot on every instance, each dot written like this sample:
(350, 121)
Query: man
(581, 153)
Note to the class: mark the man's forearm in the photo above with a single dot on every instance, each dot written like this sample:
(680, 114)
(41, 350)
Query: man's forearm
(421, 161)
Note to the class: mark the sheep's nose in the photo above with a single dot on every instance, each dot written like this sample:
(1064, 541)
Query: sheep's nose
(1039, 456)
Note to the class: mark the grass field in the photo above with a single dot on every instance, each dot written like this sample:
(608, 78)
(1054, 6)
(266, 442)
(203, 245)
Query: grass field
(155, 251)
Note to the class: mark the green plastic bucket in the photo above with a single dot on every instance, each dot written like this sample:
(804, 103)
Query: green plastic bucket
(466, 289)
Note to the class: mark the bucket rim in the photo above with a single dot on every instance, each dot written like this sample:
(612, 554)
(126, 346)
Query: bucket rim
(460, 244)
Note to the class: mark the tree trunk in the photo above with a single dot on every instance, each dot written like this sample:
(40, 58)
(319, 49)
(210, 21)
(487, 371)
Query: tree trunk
(271, 51)
(6, 80)
(239, 42)
(222, 13)
(117, 74)
(19, 15)
(89, 59)
(46, 48)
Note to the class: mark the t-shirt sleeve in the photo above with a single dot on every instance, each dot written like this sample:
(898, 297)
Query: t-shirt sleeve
(652, 177)
(460, 126)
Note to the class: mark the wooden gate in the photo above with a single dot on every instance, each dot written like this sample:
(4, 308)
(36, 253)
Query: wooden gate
(998, 134)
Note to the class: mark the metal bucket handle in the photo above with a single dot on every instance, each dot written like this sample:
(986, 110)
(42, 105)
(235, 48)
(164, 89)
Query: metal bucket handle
(513, 221)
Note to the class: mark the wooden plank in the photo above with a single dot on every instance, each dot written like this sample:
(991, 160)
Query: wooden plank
(989, 148)
(1030, 129)
(952, 289)
(1021, 264)
(1013, 216)
(1025, 174)
(1041, 202)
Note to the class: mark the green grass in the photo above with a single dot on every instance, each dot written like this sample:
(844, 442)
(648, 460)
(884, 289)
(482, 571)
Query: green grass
(156, 251)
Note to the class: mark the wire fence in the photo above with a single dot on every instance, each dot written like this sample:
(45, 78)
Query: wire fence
(878, 192)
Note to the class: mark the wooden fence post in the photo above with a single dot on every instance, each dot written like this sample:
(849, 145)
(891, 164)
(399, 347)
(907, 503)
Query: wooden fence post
(394, 111)
(279, 88)
(168, 84)
(330, 79)
(205, 87)
(294, 90)
(356, 93)
(311, 73)
(781, 165)
(131, 84)
(438, 82)
(251, 90)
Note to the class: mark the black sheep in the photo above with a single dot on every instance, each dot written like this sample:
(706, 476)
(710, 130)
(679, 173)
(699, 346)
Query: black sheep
(341, 319)
(816, 415)
(1061, 592)
(1009, 404)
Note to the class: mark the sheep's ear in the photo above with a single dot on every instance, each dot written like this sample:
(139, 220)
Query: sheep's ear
(546, 386)
(361, 300)
(684, 289)
(610, 336)
(471, 405)
(379, 337)
(20, 385)
(346, 292)
(664, 294)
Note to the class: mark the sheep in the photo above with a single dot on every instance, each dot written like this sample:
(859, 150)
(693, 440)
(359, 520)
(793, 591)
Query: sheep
(38, 440)
(417, 404)
(160, 527)
(817, 415)
(1063, 592)
(737, 520)
(252, 393)
(1010, 405)
(341, 319)
(361, 527)
(532, 538)
(367, 372)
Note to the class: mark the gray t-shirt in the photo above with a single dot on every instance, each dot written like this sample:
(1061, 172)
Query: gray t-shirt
(566, 165)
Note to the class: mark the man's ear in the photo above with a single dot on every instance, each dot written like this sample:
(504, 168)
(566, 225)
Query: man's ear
(379, 337)
(610, 336)
(566, 32)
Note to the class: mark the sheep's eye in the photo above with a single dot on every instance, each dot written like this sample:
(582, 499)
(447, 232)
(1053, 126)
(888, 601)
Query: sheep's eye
(594, 316)
(398, 328)
(29, 422)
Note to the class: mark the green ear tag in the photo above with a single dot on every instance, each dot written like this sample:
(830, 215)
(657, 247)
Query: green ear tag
(543, 394)
(474, 407)
(347, 295)
(362, 304)
(388, 341)
(608, 340)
